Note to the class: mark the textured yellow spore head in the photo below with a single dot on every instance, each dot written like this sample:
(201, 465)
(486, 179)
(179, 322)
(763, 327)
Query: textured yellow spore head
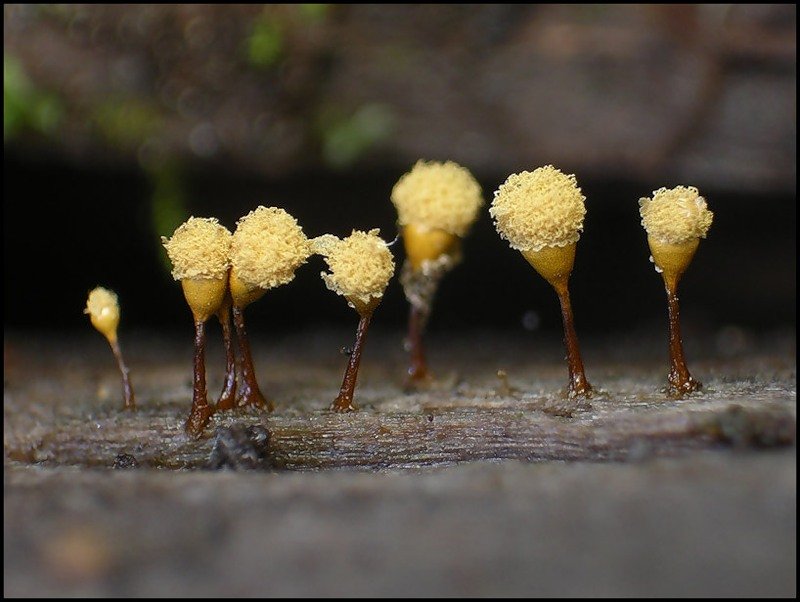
(199, 248)
(103, 309)
(675, 215)
(537, 209)
(268, 246)
(436, 195)
(361, 265)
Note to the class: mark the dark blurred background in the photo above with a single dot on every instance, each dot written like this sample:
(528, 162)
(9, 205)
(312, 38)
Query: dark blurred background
(122, 121)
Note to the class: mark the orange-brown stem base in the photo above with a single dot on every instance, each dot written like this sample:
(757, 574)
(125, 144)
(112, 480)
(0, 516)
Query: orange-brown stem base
(344, 401)
(227, 399)
(578, 384)
(250, 394)
(201, 412)
(680, 380)
(418, 375)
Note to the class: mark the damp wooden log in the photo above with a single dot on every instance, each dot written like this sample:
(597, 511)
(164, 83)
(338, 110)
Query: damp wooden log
(433, 433)
(68, 416)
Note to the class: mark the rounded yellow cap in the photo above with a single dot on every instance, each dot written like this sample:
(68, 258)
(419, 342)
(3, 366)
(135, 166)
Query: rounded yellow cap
(268, 246)
(199, 248)
(361, 266)
(538, 209)
(102, 306)
(438, 196)
(675, 215)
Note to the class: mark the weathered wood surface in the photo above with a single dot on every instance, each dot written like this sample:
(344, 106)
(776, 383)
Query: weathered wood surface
(698, 524)
(66, 412)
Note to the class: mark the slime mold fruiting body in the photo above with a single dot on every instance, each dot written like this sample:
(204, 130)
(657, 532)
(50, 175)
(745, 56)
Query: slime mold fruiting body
(102, 306)
(675, 220)
(436, 204)
(200, 253)
(540, 214)
(268, 246)
(361, 266)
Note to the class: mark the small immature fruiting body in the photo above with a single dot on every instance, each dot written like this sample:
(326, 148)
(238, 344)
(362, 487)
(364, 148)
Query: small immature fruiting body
(361, 266)
(436, 204)
(102, 306)
(267, 247)
(200, 253)
(675, 220)
(540, 214)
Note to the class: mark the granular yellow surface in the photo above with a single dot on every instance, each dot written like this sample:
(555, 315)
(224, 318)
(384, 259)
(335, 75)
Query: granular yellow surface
(436, 195)
(101, 301)
(199, 248)
(675, 215)
(103, 309)
(268, 246)
(361, 265)
(538, 209)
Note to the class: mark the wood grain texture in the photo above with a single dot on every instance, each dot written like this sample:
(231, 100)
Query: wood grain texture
(476, 416)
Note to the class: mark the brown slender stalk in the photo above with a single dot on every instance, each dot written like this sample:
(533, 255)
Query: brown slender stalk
(250, 393)
(578, 384)
(227, 399)
(201, 411)
(344, 402)
(127, 387)
(680, 381)
(418, 370)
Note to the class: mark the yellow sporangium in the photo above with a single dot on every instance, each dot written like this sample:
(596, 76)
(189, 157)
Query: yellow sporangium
(540, 214)
(102, 305)
(438, 196)
(361, 266)
(268, 246)
(538, 209)
(199, 250)
(437, 203)
(675, 220)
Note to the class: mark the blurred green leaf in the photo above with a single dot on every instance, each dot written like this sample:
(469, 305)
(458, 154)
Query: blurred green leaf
(15, 88)
(313, 12)
(265, 44)
(46, 113)
(24, 106)
(346, 140)
(128, 122)
(168, 205)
